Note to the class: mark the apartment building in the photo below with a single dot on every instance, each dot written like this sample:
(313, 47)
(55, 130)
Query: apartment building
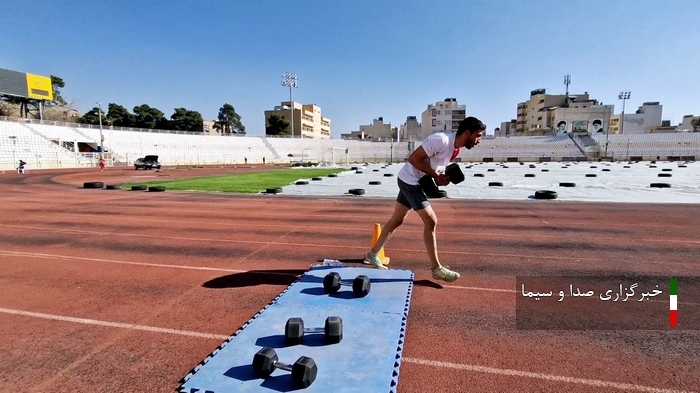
(646, 119)
(308, 121)
(410, 130)
(377, 131)
(507, 129)
(534, 117)
(687, 124)
(442, 116)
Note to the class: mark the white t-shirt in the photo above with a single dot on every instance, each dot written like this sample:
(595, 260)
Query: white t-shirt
(439, 148)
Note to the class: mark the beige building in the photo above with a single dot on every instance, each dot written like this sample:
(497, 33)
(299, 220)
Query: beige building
(410, 131)
(687, 124)
(644, 120)
(377, 131)
(534, 116)
(506, 130)
(308, 121)
(442, 116)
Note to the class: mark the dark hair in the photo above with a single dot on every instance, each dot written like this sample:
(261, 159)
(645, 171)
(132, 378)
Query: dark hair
(471, 124)
(597, 121)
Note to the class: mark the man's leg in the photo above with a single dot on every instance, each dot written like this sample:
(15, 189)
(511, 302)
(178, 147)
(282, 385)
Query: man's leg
(429, 218)
(401, 209)
(429, 238)
(400, 214)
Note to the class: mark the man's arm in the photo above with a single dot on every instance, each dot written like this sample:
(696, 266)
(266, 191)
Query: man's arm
(419, 159)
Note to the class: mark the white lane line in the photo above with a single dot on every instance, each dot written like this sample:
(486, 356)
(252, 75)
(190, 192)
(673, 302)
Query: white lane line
(546, 377)
(424, 362)
(54, 256)
(112, 324)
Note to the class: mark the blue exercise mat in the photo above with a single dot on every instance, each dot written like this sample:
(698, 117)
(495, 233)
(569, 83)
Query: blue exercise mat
(366, 360)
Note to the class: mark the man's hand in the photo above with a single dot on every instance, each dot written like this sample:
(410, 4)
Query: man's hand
(442, 180)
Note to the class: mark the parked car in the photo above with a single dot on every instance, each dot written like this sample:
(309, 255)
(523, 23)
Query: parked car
(148, 162)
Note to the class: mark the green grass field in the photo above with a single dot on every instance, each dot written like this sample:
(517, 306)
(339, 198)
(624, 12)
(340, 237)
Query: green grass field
(248, 183)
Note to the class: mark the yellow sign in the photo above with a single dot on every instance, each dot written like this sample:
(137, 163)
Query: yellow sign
(39, 87)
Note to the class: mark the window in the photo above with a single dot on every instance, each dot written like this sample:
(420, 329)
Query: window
(448, 111)
(434, 122)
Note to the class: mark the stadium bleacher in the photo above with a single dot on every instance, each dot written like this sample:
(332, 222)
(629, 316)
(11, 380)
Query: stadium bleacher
(63, 145)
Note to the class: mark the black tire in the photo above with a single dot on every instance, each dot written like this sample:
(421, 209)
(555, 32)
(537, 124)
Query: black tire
(354, 168)
(275, 190)
(375, 183)
(114, 186)
(156, 189)
(682, 166)
(301, 182)
(356, 191)
(667, 170)
(529, 175)
(93, 184)
(652, 166)
(316, 179)
(439, 194)
(606, 170)
(664, 175)
(545, 170)
(491, 170)
(375, 170)
(139, 188)
(591, 175)
(593, 167)
(478, 175)
(626, 166)
(545, 194)
(567, 184)
(660, 185)
(388, 174)
(333, 175)
(495, 184)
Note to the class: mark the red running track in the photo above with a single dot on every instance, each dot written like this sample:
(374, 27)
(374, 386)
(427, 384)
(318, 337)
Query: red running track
(122, 291)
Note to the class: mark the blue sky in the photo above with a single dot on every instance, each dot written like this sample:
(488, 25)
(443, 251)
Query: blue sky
(359, 59)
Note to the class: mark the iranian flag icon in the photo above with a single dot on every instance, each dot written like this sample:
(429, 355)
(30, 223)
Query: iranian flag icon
(674, 302)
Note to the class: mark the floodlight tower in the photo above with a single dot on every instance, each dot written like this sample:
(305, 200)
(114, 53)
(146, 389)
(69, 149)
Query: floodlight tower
(290, 80)
(567, 82)
(624, 96)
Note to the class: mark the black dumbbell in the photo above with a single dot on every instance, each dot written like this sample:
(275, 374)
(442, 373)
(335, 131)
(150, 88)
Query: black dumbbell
(303, 370)
(294, 330)
(454, 172)
(360, 285)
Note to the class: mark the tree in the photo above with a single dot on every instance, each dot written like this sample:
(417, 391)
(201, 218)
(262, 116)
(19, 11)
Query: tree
(91, 117)
(696, 124)
(229, 122)
(119, 116)
(58, 100)
(186, 120)
(148, 117)
(278, 126)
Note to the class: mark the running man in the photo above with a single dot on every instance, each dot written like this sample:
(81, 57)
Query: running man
(431, 158)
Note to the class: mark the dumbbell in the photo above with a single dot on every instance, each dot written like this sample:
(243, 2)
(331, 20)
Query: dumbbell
(427, 183)
(294, 330)
(303, 370)
(454, 172)
(360, 285)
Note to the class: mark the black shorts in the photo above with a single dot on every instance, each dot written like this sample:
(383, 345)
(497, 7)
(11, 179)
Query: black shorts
(413, 197)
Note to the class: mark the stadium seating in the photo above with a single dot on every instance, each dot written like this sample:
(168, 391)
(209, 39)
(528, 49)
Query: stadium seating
(63, 145)
(523, 147)
(652, 145)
